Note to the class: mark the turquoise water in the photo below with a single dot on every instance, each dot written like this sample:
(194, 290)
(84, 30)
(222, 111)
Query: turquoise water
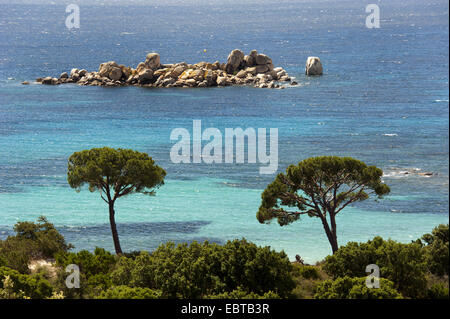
(383, 99)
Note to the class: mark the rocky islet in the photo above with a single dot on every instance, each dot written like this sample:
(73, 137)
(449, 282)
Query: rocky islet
(255, 69)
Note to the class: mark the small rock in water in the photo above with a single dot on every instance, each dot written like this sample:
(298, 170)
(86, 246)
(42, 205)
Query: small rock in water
(313, 66)
(425, 174)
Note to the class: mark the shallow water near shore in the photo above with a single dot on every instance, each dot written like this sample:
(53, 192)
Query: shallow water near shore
(383, 99)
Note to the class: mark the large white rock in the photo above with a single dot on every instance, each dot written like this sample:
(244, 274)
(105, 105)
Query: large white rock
(152, 61)
(313, 66)
(73, 71)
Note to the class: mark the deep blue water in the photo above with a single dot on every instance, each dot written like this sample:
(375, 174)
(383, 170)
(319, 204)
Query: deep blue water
(383, 99)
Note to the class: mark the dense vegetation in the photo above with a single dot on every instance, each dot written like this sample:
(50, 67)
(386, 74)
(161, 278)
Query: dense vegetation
(32, 241)
(238, 269)
(355, 288)
(403, 264)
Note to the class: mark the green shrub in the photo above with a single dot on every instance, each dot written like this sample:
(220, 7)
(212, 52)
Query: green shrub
(43, 234)
(2, 261)
(438, 291)
(99, 262)
(257, 269)
(437, 250)
(125, 292)
(132, 254)
(198, 270)
(16, 254)
(351, 260)
(403, 264)
(183, 271)
(355, 288)
(186, 271)
(33, 286)
(121, 274)
(95, 271)
(306, 272)
(242, 294)
(32, 241)
(7, 290)
(99, 281)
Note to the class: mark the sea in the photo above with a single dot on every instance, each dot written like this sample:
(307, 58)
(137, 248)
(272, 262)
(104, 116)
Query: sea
(383, 99)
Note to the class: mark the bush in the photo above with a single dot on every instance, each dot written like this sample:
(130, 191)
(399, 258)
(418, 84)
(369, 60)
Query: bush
(403, 264)
(2, 261)
(438, 291)
(7, 292)
(355, 288)
(199, 270)
(95, 269)
(179, 272)
(132, 254)
(43, 234)
(125, 292)
(242, 294)
(306, 272)
(16, 254)
(351, 260)
(437, 250)
(33, 286)
(99, 262)
(32, 241)
(258, 269)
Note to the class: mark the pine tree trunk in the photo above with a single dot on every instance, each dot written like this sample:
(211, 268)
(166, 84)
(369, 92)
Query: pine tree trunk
(334, 232)
(115, 235)
(334, 245)
(330, 234)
